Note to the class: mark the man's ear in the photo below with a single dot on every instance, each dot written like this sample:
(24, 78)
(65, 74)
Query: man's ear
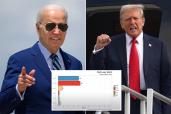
(143, 21)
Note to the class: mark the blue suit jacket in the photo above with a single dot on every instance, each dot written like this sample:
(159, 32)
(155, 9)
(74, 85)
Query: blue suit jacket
(37, 98)
(155, 63)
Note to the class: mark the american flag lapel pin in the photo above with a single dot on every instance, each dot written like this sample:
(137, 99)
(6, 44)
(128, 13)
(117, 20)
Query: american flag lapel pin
(149, 45)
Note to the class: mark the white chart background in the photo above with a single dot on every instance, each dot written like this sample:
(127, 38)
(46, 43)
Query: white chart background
(94, 93)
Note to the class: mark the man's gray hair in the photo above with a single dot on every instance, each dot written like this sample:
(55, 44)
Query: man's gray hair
(51, 6)
(139, 7)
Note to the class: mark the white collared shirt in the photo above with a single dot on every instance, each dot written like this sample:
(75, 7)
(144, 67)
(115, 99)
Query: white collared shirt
(139, 46)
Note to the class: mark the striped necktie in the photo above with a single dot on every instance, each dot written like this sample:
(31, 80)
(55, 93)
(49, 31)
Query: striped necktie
(55, 62)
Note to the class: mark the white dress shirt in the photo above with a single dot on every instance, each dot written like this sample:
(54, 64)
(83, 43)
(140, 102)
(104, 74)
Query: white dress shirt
(139, 46)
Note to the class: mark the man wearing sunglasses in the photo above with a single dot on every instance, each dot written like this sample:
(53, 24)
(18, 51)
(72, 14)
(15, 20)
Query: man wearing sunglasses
(27, 83)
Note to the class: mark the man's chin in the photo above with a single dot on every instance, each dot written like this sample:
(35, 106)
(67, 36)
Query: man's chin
(135, 34)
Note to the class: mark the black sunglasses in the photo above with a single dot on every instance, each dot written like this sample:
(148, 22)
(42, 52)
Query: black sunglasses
(62, 26)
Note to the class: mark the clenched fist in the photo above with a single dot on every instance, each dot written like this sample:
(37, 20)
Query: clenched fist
(102, 41)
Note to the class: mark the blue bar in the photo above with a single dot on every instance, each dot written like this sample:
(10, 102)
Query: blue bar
(68, 78)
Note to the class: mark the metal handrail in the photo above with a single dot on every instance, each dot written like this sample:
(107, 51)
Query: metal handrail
(128, 91)
(143, 100)
(152, 93)
(133, 92)
(162, 97)
(146, 102)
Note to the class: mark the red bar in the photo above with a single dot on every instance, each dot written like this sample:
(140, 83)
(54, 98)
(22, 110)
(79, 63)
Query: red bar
(69, 83)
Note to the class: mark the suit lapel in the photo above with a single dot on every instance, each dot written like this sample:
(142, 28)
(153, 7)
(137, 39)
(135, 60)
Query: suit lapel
(67, 61)
(41, 62)
(147, 55)
(123, 57)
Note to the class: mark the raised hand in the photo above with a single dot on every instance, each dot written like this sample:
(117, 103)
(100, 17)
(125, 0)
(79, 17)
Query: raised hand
(102, 41)
(25, 80)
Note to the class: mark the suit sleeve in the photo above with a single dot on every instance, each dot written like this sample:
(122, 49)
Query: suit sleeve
(9, 97)
(97, 60)
(165, 87)
(79, 65)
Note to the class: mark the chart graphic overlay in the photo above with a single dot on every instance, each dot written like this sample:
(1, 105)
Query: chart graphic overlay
(86, 90)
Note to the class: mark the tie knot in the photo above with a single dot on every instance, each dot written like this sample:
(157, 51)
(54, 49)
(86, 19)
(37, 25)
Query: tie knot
(134, 40)
(53, 56)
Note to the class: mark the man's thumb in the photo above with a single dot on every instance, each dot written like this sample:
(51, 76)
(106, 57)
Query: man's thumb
(32, 73)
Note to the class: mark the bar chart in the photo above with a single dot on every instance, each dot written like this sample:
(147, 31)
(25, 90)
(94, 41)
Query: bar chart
(86, 90)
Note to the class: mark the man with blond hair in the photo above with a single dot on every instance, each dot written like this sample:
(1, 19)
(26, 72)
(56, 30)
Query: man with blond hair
(142, 58)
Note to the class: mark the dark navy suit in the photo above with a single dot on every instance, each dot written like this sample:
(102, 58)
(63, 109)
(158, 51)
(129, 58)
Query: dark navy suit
(155, 64)
(37, 98)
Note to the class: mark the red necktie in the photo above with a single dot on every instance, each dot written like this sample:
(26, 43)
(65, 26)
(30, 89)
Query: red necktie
(134, 73)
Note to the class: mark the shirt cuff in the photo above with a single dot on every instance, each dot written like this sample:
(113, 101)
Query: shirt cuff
(21, 96)
(96, 51)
